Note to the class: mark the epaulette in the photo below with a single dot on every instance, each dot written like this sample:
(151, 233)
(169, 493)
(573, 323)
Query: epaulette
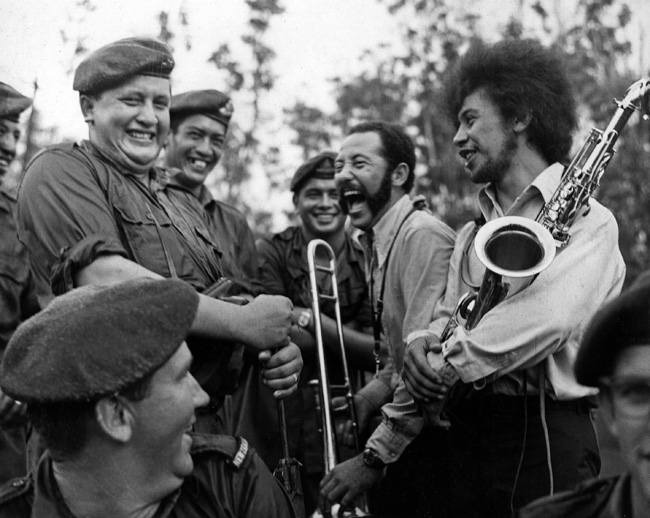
(14, 488)
(235, 449)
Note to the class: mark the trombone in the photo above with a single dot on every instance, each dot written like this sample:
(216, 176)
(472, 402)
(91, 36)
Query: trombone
(323, 392)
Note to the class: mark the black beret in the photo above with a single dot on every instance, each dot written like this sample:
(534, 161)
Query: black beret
(320, 166)
(211, 103)
(623, 322)
(119, 61)
(12, 103)
(95, 341)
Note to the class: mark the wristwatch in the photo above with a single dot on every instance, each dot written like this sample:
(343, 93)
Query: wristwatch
(372, 459)
(304, 319)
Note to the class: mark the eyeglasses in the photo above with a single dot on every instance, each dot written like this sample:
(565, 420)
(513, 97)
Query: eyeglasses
(631, 396)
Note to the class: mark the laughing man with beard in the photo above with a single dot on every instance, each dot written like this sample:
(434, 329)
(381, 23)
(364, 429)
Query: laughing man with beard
(408, 252)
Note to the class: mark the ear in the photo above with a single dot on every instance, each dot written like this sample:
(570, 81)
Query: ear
(607, 412)
(115, 418)
(400, 174)
(295, 199)
(522, 121)
(87, 104)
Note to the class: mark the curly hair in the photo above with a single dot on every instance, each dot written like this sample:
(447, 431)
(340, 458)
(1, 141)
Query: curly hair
(397, 146)
(522, 78)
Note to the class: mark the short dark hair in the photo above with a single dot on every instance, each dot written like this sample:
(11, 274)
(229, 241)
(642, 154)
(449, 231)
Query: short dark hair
(64, 427)
(397, 146)
(521, 77)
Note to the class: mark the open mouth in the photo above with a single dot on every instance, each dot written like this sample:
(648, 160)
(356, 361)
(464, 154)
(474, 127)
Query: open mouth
(353, 200)
(467, 154)
(198, 164)
(143, 136)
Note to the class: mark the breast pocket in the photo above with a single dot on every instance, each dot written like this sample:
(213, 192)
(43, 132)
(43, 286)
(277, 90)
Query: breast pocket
(141, 233)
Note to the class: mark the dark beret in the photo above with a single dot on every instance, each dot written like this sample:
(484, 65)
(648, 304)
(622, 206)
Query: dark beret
(210, 103)
(95, 341)
(320, 166)
(12, 103)
(119, 61)
(623, 322)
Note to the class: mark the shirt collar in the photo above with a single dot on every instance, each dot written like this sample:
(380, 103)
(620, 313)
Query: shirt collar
(385, 229)
(543, 185)
(158, 177)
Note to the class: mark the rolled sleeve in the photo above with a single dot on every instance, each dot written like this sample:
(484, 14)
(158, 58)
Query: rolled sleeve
(75, 258)
(400, 425)
(61, 204)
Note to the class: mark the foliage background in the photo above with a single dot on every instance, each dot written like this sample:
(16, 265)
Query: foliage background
(403, 85)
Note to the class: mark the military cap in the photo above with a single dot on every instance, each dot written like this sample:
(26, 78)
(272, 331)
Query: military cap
(119, 61)
(95, 341)
(622, 323)
(320, 166)
(12, 103)
(211, 103)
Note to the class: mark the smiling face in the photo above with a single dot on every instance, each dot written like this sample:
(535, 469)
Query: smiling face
(195, 148)
(632, 431)
(9, 136)
(486, 144)
(363, 179)
(130, 122)
(317, 205)
(165, 417)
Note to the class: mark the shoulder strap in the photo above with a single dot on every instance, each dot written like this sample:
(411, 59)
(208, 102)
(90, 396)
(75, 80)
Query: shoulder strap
(378, 307)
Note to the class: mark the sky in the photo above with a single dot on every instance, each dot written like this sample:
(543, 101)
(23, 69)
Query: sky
(315, 40)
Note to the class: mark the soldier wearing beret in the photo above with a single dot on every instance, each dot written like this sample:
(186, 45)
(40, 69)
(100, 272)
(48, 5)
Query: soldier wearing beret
(199, 123)
(615, 357)
(17, 295)
(99, 212)
(105, 372)
(284, 271)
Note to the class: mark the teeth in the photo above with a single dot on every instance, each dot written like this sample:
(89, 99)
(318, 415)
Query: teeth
(198, 163)
(141, 135)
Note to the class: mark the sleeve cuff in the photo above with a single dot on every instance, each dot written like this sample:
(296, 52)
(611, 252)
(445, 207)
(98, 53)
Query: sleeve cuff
(419, 334)
(390, 442)
(78, 256)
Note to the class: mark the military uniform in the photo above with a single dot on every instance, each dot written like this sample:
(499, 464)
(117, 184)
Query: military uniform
(233, 237)
(17, 295)
(75, 205)
(17, 303)
(226, 481)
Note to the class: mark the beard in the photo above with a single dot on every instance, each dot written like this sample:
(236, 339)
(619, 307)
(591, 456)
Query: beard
(380, 199)
(493, 170)
(376, 202)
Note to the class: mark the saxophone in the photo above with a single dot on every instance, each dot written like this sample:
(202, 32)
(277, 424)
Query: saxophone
(515, 250)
